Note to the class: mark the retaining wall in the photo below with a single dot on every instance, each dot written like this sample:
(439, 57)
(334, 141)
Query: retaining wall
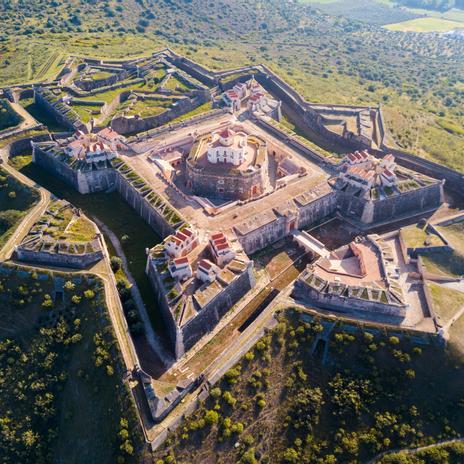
(143, 208)
(78, 261)
(131, 125)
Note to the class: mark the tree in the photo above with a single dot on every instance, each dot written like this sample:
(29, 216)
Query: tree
(211, 417)
(116, 263)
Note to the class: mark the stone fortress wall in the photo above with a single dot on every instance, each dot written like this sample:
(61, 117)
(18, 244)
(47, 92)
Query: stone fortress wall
(278, 228)
(90, 181)
(77, 261)
(375, 212)
(304, 115)
(138, 202)
(345, 304)
(184, 338)
(129, 125)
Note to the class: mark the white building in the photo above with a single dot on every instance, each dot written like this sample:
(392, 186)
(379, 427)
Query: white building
(220, 249)
(228, 146)
(89, 148)
(232, 99)
(207, 271)
(180, 268)
(362, 170)
(181, 244)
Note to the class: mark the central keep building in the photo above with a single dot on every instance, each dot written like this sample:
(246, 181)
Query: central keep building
(228, 164)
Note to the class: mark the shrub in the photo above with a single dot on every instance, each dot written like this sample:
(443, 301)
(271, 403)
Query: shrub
(229, 399)
(211, 417)
(116, 263)
(216, 392)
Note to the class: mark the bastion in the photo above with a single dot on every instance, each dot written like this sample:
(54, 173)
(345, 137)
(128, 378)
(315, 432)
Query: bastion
(62, 236)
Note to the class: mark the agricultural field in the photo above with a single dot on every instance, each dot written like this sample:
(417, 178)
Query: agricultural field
(280, 403)
(15, 201)
(58, 352)
(428, 24)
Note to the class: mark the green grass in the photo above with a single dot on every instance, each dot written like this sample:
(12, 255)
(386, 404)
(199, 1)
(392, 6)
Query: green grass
(446, 301)
(8, 116)
(146, 108)
(450, 126)
(100, 75)
(16, 199)
(65, 225)
(198, 110)
(426, 25)
(109, 95)
(417, 237)
(446, 263)
(454, 233)
(86, 112)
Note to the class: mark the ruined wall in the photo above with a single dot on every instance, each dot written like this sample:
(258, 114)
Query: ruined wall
(307, 294)
(146, 211)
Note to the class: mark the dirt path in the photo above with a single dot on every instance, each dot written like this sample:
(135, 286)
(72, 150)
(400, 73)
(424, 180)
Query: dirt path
(31, 217)
(152, 339)
(375, 459)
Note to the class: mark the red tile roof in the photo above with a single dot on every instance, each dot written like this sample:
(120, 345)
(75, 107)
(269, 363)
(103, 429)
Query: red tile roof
(205, 264)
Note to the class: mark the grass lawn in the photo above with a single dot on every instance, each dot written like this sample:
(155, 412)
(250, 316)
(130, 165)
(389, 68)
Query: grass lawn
(146, 108)
(446, 263)
(455, 234)
(198, 110)
(416, 237)
(109, 95)
(446, 301)
(426, 25)
(100, 75)
(64, 225)
(86, 112)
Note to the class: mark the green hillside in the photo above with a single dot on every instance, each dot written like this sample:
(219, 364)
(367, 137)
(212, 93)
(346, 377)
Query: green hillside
(329, 58)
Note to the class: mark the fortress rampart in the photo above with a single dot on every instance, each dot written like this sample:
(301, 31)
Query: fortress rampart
(184, 336)
(88, 181)
(61, 259)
